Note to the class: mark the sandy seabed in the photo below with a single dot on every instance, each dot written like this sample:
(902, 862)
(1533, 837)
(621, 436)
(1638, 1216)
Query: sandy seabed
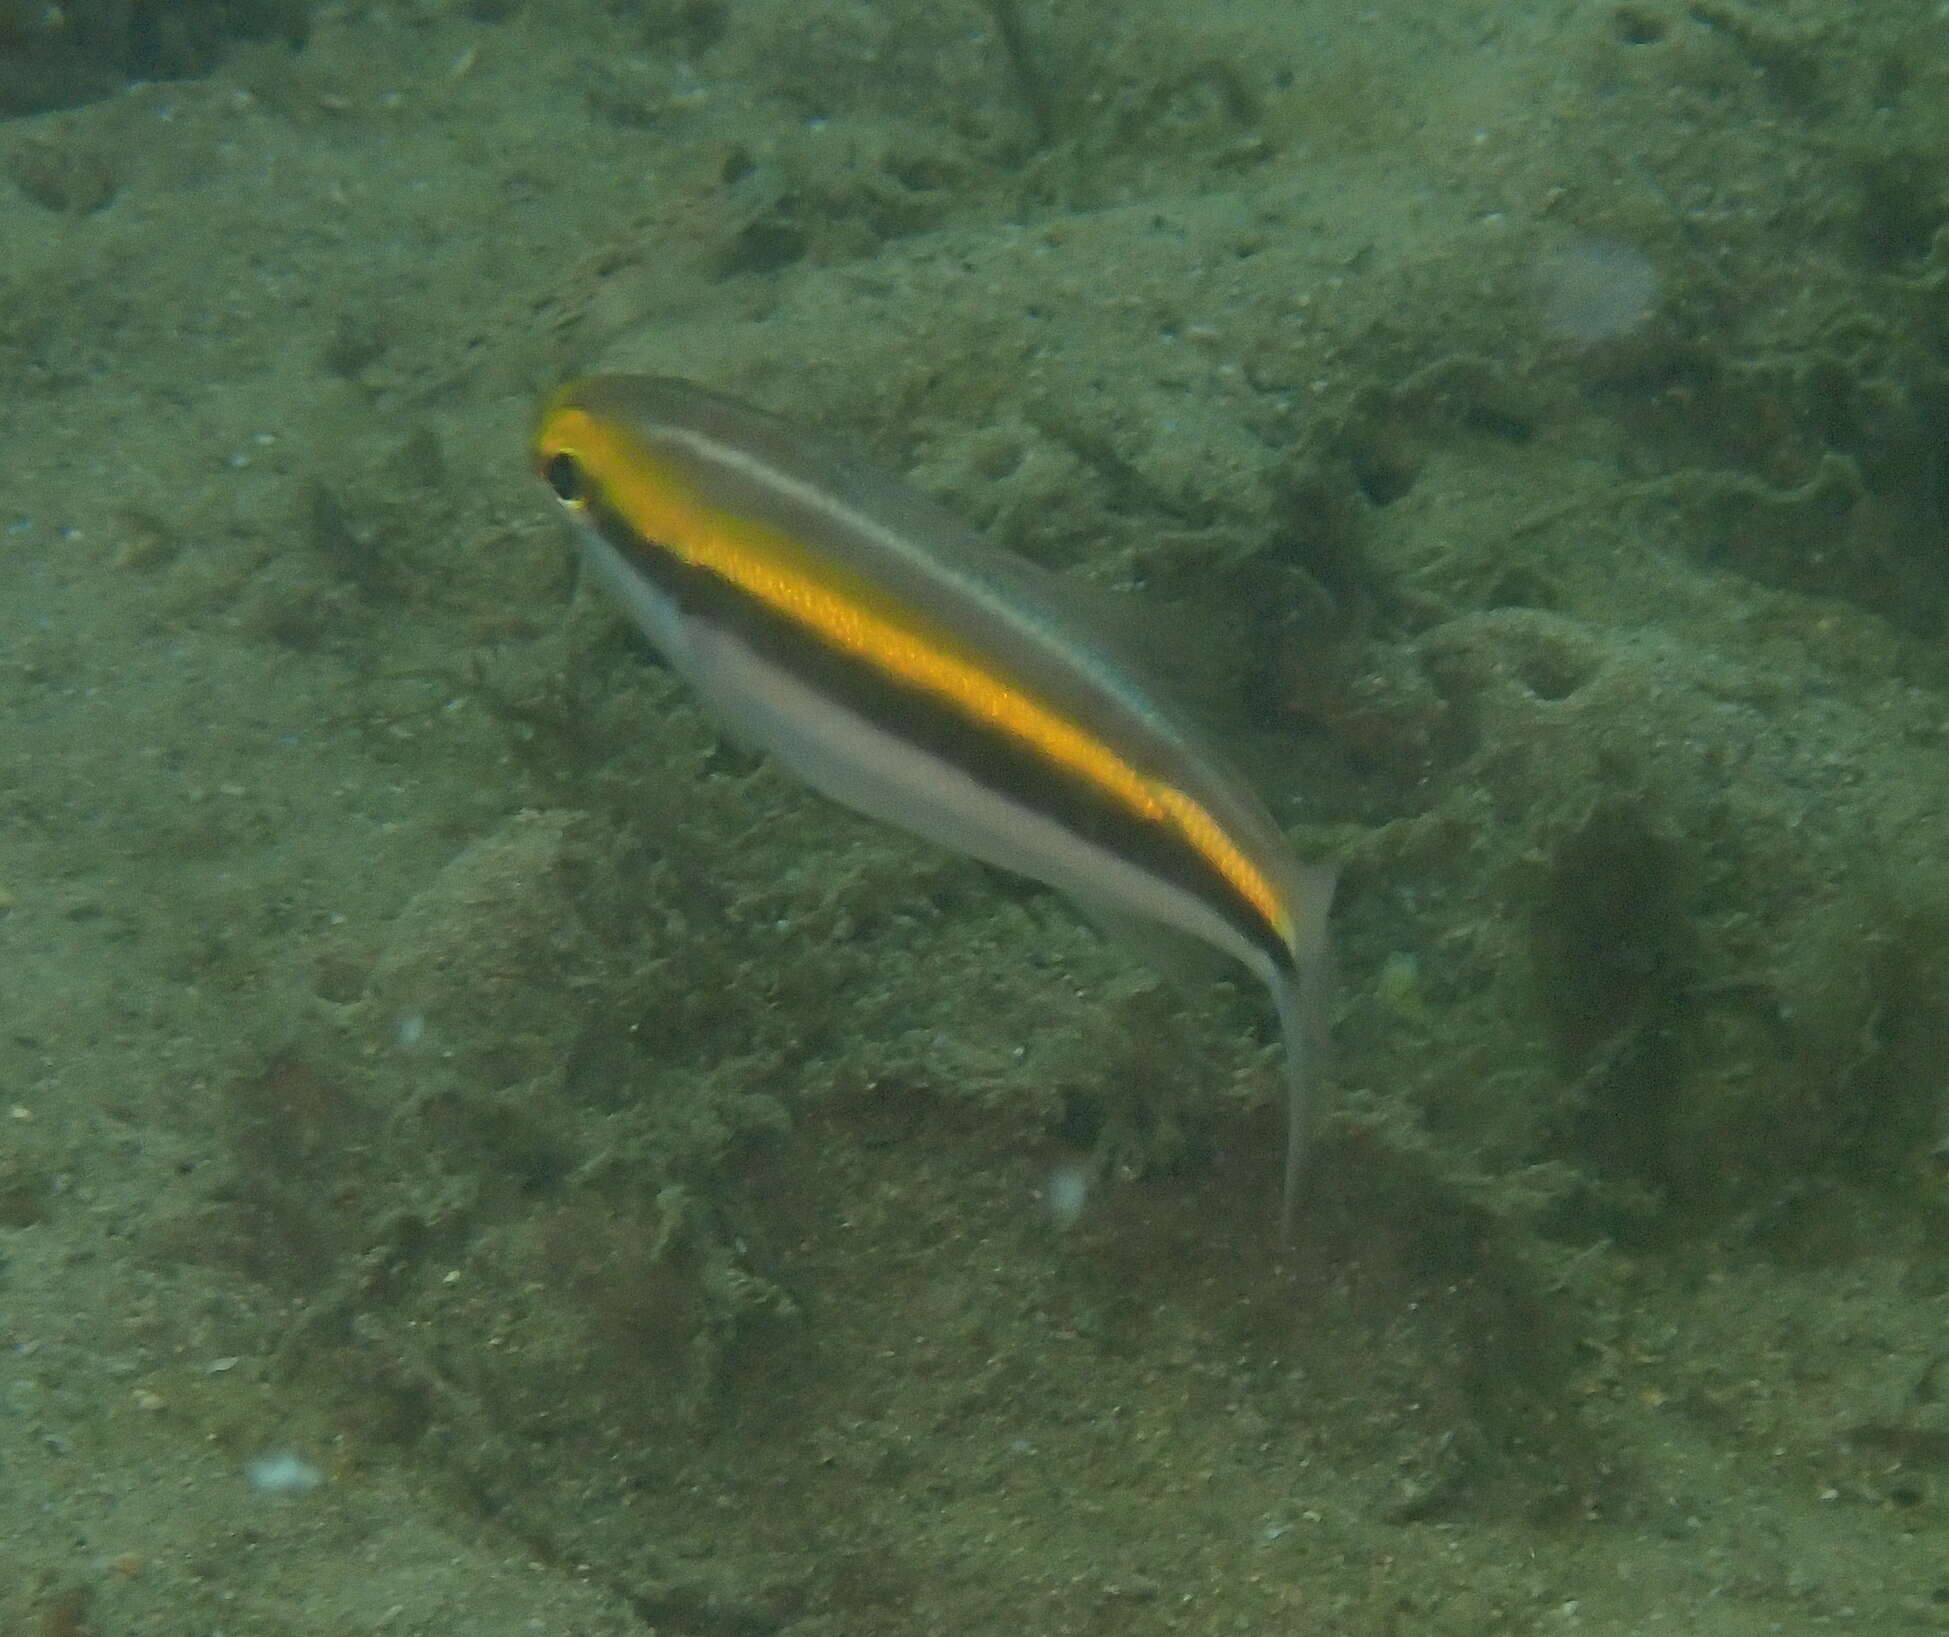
(437, 1064)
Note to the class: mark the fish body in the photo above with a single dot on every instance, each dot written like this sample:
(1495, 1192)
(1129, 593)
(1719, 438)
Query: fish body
(834, 616)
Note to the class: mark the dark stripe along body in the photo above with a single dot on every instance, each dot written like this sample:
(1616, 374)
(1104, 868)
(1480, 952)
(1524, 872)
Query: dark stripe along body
(841, 620)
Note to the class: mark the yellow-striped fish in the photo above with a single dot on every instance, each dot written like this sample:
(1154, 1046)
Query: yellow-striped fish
(883, 651)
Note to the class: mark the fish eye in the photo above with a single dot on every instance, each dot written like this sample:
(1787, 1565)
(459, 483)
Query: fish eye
(563, 474)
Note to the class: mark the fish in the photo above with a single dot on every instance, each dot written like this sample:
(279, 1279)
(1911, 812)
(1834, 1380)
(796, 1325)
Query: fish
(832, 615)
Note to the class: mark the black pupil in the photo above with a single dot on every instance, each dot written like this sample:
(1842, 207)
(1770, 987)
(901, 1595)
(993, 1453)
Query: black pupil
(564, 476)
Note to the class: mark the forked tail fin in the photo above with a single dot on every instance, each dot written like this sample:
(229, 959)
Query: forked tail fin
(1304, 998)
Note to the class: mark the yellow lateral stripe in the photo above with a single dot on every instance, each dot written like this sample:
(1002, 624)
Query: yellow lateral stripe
(781, 573)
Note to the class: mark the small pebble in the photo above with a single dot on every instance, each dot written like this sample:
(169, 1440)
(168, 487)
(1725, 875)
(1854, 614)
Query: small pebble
(282, 1474)
(1068, 1191)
